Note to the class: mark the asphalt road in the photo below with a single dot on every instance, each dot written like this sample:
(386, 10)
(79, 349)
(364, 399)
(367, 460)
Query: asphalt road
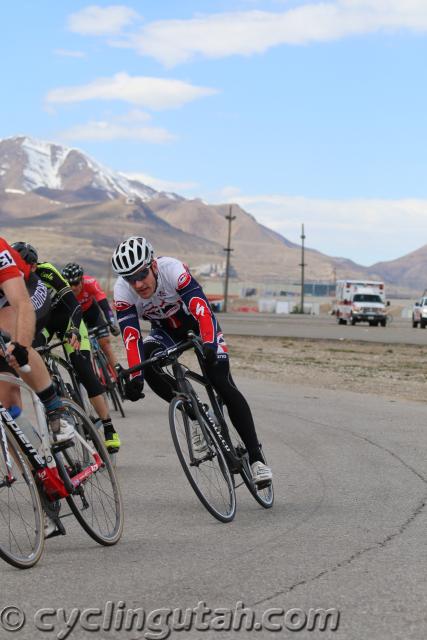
(326, 327)
(347, 532)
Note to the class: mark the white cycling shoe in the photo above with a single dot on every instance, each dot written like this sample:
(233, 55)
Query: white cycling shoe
(261, 474)
(61, 429)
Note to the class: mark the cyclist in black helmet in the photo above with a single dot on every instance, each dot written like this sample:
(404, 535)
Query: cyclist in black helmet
(93, 301)
(65, 318)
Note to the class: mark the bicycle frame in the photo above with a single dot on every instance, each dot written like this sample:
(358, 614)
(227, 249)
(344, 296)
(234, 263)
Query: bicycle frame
(44, 462)
(52, 362)
(180, 373)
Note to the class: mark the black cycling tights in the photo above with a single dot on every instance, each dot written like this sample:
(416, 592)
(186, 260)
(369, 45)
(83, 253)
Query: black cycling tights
(220, 376)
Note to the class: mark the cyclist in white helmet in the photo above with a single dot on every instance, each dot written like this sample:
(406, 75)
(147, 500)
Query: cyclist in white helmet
(163, 291)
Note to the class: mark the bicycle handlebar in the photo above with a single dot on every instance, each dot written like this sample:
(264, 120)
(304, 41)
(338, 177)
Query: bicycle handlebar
(46, 348)
(93, 331)
(193, 341)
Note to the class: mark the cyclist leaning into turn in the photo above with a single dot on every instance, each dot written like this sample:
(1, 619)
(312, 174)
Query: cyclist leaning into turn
(65, 318)
(24, 302)
(93, 300)
(164, 292)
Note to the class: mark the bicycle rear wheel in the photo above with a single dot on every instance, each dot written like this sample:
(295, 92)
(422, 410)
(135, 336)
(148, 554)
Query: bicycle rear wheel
(110, 384)
(265, 495)
(115, 398)
(97, 504)
(208, 475)
(21, 515)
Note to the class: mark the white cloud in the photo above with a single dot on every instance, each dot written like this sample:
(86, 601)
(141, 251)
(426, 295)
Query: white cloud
(134, 115)
(251, 32)
(103, 131)
(97, 21)
(364, 230)
(153, 93)
(69, 54)
(162, 185)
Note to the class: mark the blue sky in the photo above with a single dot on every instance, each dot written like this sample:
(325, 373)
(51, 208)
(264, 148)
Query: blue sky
(300, 111)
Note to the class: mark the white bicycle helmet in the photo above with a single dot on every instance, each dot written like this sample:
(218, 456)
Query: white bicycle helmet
(131, 255)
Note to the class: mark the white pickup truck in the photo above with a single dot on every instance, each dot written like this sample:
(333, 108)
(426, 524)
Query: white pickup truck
(419, 313)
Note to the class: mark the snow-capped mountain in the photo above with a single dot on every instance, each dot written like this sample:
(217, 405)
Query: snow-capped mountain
(73, 208)
(47, 169)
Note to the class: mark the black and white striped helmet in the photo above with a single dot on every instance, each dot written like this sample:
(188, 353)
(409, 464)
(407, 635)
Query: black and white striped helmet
(131, 255)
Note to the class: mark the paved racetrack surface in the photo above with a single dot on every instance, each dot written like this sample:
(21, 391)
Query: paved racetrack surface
(325, 327)
(347, 531)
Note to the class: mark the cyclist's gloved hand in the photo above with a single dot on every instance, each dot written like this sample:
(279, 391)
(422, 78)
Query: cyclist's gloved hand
(209, 351)
(115, 329)
(20, 353)
(133, 389)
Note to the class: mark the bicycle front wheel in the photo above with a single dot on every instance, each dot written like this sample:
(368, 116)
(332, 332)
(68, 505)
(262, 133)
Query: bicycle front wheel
(97, 504)
(208, 473)
(21, 515)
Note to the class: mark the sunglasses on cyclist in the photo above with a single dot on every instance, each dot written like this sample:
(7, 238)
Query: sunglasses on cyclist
(139, 275)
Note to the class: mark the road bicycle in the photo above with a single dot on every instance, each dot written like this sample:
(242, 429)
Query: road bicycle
(36, 475)
(64, 377)
(105, 372)
(212, 475)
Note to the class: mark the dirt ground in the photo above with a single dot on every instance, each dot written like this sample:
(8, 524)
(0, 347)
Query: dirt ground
(392, 370)
(397, 371)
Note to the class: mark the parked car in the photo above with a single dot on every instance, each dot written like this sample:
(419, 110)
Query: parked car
(419, 313)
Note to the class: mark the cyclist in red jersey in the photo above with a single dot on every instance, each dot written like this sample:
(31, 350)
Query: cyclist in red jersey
(93, 300)
(23, 301)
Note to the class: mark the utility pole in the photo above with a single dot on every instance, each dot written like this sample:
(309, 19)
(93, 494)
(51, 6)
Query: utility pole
(302, 265)
(228, 250)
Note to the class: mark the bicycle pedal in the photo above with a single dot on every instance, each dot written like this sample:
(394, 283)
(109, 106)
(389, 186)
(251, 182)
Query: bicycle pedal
(58, 532)
(235, 468)
(262, 485)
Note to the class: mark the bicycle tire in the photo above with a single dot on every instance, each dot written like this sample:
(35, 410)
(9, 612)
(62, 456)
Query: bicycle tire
(265, 495)
(109, 384)
(210, 478)
(98, 506)
(112, 392)
(67, 384)
(21, 514)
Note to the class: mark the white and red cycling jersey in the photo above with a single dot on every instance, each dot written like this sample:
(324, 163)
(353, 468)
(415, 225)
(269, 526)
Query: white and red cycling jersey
(11, 266)
(91, 290)
(177, 306)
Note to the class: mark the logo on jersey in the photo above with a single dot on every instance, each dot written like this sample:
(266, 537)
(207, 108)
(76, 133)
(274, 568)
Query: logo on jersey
(6, 259)
(200, 309)
(183, 280)
(122, 306)
(130, 335)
